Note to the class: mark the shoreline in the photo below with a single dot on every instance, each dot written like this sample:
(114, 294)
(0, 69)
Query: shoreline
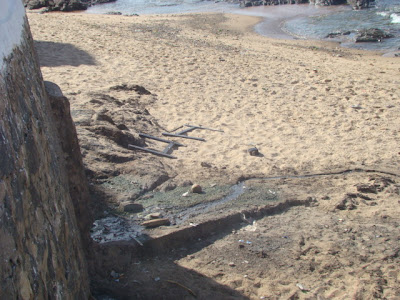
(273, 21)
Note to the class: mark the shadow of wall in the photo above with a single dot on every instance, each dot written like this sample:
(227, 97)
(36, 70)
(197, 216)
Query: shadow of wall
(60, 54)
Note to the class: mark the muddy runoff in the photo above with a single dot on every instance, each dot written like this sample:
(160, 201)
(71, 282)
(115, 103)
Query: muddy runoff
(243, 202)
(217, 205)
(183, 209)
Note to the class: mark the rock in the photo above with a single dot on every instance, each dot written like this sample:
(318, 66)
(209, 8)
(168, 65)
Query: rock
(196, 189)
(131, 207)
(365, 188)
(382, 182)
(168, 187)
(205, 165)
(186, 183)
(115, 13)
(337, 33)
(122, 138)
(231, 264)
(155, 223)
(114, 274)
(372, 35)
(63, 5)
(103, 117)
(122, 127)
(253, 151)
(359, 4)
(347, 203)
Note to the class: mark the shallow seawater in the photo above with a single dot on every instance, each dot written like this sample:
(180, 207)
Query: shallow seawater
(286, 21)
(145, 7)
(384, 15)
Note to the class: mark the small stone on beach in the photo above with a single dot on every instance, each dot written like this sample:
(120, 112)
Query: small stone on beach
(196, 189)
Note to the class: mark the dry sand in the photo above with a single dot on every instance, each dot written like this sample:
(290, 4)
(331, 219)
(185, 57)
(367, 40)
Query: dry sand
(309, 107)
(294, 100)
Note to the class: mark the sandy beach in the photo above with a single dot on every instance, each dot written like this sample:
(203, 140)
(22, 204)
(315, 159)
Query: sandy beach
(308, 107)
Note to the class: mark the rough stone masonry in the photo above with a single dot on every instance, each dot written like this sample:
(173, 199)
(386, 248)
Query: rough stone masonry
(41, 252)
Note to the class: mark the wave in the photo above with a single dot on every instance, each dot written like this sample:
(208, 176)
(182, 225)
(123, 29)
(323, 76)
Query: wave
(395, 18)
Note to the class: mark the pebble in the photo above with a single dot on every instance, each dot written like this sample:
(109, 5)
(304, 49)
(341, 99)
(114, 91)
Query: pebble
(114, 274)
(196, 188)
(253, 151)
(151, 216)
(155, 223)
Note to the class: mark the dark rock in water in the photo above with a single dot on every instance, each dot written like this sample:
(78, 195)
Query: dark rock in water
(372, 35)
(243, 4)
(338, 33)
(116, 13)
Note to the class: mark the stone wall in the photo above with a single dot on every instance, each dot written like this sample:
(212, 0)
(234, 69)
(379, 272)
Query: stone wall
(41, 254)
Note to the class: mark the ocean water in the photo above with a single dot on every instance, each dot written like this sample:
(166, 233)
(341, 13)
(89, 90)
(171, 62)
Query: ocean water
(286, 21)
(384, 14)
(145, 7)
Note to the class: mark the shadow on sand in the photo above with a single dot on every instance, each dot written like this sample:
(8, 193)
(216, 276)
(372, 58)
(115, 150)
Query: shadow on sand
(129, 270)
(60, 54)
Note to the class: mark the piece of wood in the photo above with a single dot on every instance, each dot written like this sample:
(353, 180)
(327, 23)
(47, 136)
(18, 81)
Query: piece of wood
(205, 128)
(184, 136)
(186, 130)
(155, 223)
(160, 139)
(168, 148)
(151, 151)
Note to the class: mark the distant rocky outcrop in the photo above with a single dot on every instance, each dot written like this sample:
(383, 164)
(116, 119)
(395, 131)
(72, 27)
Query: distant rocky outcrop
(63, 5)
(357, 4)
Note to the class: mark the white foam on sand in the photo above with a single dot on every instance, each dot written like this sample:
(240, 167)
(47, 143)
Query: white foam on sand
(12, 14)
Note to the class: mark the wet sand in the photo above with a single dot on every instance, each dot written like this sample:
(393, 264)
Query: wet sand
(274, 17)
